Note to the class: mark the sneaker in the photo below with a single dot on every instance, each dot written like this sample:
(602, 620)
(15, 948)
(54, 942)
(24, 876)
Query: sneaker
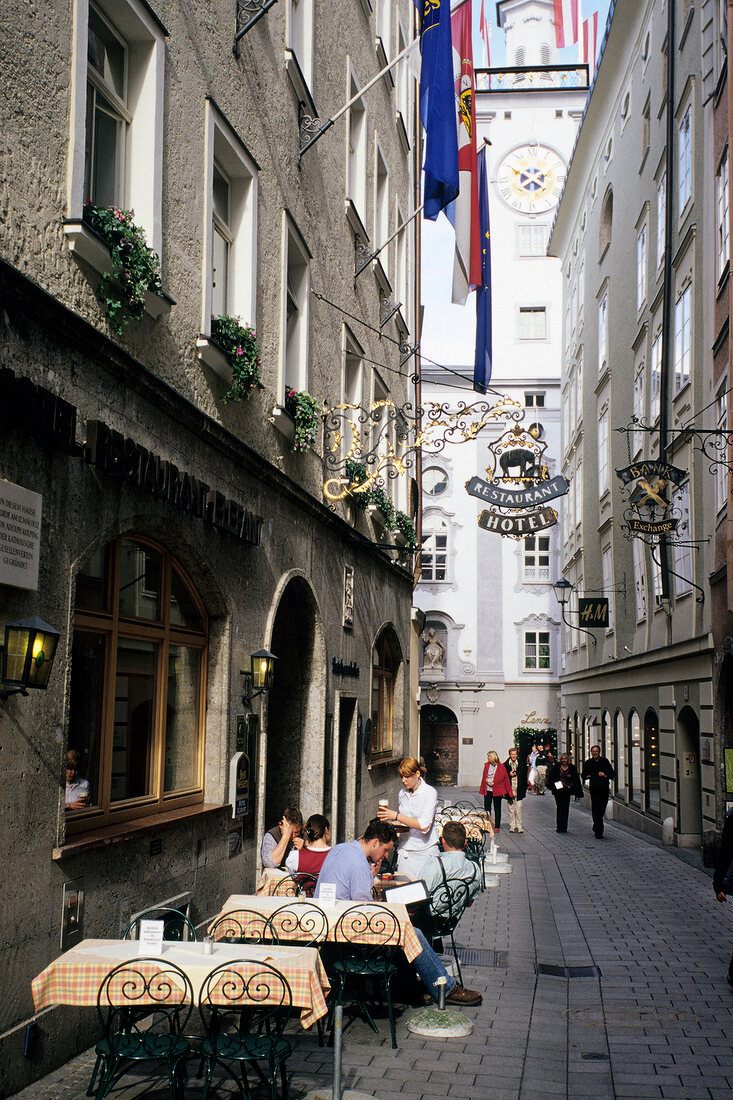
(513, 830)
(519, 830)
(459, 995)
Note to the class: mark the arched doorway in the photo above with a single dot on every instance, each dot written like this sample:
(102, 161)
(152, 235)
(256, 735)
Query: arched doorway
(439, 745)
(689, 805)
(296, 706)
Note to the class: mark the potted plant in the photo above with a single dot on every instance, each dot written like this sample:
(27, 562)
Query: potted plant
(136, 266)
(306, 413)
(405, 527)
(357, 474)
(239, 344)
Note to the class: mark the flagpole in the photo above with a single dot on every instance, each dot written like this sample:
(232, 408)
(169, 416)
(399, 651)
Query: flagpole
(373, 255)
(327, 125)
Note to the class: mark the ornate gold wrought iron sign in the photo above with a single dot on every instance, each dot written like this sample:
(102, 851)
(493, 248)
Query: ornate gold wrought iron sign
(518, 481)
(651, 513)
(365, 445)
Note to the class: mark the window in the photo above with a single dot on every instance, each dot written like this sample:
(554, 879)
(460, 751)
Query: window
(634, 758)
(537, 650)
(722, 228)
(434, 549)
(656, 379)
(608, 585)
(645, 129)
(536, 558)
(603, 452)
(231, 219)
(381, 201)
(401, 246)
(384, 668)
(136, 711)
(532, 239)
(684, 161)
(682, 549)
(721, 473)
(603, 333)
(581, 294)
(638, 410)
(532, 323)
(354, 382)
(639, 579)
(578, 487)
(296, 293)
(606, 226)
(384, 25)
(579, 391)
(661, 217)
(357, 155)
(683, 338)
(619, 752)
(300, 36)
(116, 133)
(434, 481)
(534, 400)
(651, 761)
(641, 268)
(656, 580)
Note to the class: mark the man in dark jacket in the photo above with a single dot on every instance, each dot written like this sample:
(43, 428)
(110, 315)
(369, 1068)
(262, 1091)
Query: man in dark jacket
(723, 877)
(516, 769)
(598, 770)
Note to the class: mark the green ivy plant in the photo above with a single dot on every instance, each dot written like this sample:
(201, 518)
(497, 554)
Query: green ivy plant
(406, 527)
(306, 413)
(239, 344)
(136, 266)
(357, 474)
(394, 520)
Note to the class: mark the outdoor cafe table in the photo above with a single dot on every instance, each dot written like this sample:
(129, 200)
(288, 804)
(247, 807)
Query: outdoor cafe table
(74, 978)
(266, 906)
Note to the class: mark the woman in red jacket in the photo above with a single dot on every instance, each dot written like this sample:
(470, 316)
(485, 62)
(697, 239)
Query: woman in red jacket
(495, 785)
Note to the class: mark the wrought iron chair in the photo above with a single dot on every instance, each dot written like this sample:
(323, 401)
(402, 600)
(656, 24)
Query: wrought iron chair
(176, 925)
(448, 902)
(143, 1006)
(357, 962)
(244, 1007)
(243, 926)
(466, 805)
(301, 924)
(476, 850)
(298, 884)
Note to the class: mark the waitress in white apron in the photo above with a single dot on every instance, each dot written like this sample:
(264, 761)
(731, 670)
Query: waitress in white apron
(415, 818)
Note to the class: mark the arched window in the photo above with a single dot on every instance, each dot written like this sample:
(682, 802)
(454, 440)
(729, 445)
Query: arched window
(606, 225)
(634, 758)
(651, 761)
(138, 662)
(619, 753)
(606, 734)
(434, 549)
(385, 661)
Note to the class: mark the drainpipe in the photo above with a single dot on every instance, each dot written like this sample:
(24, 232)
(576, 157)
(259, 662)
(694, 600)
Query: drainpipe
(664, 386)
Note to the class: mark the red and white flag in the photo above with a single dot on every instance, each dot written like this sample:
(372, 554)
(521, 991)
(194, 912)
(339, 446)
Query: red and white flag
(485, 31)
(464, 213)
(566, 22)
(588, 41)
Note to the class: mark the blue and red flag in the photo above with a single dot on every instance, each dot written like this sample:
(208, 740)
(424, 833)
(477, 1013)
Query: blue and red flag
(484, 349)
(438, 106)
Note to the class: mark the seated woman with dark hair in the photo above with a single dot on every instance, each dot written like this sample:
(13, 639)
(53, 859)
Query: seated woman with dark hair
(308, 860)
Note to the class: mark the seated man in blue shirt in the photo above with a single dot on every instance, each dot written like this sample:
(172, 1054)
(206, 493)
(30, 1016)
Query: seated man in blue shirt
(351, 868)
(452, 862)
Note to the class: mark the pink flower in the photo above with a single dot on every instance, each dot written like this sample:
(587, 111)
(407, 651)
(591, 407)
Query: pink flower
(240, 351)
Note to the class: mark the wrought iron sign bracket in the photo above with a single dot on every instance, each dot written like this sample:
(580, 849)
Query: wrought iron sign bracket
(248, 13)
(711, 443)
(309, 130)
(407, 351)
(363, 256)
(387, 309)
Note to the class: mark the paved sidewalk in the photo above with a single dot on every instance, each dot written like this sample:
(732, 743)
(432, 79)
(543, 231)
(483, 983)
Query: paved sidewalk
(649, 1014)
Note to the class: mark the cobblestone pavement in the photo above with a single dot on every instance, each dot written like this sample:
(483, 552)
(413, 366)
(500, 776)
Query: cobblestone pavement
(648, 1014)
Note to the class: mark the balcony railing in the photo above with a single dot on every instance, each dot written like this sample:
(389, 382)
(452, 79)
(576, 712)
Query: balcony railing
(541, 78)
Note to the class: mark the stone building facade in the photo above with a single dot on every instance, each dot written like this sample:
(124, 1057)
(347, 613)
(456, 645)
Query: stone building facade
(179, 532)
(634, 232)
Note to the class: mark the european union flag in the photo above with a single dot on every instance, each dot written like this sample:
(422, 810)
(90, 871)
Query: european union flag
(438, 107)
(482, 363)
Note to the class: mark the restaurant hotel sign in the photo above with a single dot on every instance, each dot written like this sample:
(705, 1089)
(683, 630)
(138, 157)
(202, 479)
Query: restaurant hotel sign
(516, 512)
(53, 421)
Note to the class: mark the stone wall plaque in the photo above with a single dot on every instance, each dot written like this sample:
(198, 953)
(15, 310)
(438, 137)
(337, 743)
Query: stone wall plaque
(20, 535)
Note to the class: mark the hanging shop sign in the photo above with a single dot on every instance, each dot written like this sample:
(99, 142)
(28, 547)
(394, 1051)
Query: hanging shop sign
(518, 484)
(593, 611)
(650, 485)
(340, 667)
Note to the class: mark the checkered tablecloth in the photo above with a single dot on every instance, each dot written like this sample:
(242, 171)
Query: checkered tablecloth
(75, 977)
(270, 879)
(266, 906)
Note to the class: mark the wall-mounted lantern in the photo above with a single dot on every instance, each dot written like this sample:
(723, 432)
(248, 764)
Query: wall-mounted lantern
(258, 679)
(27, 658)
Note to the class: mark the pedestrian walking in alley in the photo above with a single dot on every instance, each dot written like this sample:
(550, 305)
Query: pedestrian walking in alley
(723, 877)
(531, 773)
(495, 785)
(541, 764)
(597, 772)
(516, 769)
(564, 782)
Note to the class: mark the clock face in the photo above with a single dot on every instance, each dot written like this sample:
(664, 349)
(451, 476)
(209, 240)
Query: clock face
(531, 178)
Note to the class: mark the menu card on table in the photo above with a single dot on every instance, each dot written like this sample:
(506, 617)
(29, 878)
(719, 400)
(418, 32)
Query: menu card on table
(151, 937)
(327, 893)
